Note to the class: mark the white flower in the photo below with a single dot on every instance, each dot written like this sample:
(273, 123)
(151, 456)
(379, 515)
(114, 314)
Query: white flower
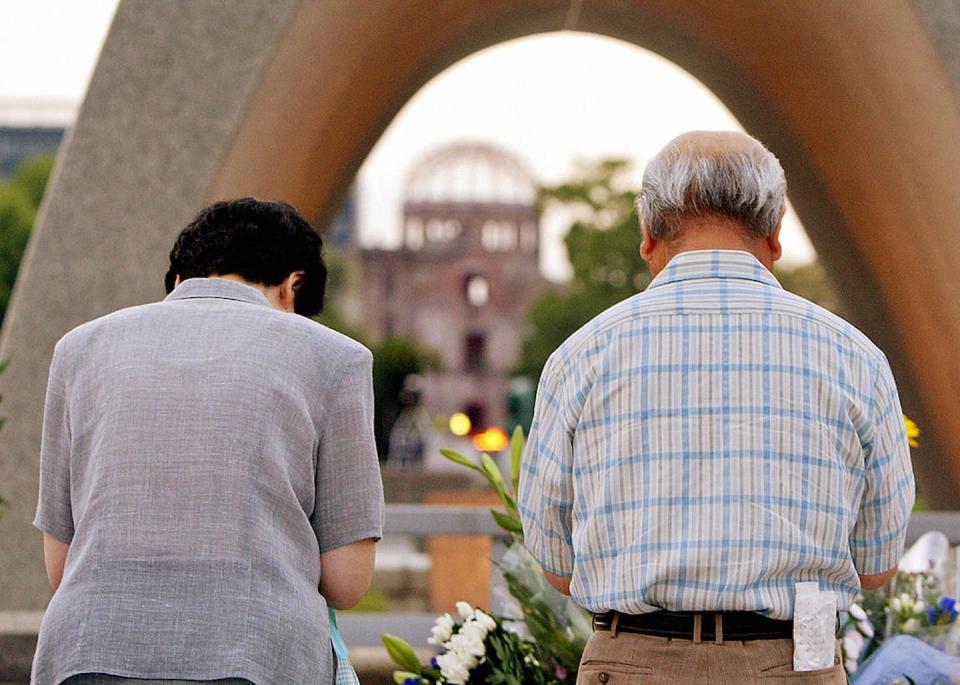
(467, 642)
(852, 644)
(850, 665)
(866, 628)
(895, 604)
(911, 626)
(473, 632)
(857, 612)
(485, 620)
(454, 668)
(442, 630)
(465, 610)
(919, 607)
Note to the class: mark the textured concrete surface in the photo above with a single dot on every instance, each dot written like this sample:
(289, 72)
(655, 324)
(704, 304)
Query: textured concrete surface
(209, 99)
(168, 92)
(942, 21)
(18, 642)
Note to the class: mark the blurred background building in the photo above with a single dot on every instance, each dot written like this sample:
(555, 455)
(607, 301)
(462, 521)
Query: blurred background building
(467, 269)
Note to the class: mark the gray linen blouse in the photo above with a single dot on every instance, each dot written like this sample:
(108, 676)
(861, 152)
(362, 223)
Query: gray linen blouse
(199, 454)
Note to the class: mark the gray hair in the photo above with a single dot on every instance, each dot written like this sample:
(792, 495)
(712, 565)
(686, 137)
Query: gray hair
(744, 182)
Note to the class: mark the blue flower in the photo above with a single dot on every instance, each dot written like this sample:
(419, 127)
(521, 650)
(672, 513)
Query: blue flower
(434, 663)
(947, 603)
(932, 615)
(411, 681)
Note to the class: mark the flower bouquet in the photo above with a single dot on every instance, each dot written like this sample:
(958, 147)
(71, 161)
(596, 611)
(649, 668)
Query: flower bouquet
(477, 649)
(542, 639)
(914, 604)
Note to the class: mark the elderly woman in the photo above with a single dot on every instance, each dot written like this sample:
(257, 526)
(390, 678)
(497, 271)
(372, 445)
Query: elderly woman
(209, 483)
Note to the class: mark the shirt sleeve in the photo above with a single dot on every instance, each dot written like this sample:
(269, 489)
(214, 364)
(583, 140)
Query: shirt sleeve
(349, 491)
(546, 479)
(878, 536)
(54, 509)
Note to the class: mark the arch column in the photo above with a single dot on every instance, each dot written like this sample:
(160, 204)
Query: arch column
(194, 101)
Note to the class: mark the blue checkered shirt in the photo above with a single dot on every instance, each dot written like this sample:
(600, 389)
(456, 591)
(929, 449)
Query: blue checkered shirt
(711, 442)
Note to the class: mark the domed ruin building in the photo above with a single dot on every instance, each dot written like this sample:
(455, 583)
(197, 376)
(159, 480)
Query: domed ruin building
(467, 269)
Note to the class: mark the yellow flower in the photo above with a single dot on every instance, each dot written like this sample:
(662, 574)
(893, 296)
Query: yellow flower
(913, 432)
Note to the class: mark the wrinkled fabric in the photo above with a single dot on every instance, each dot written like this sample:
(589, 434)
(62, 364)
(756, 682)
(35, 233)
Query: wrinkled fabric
(199, 454)
(709, 443)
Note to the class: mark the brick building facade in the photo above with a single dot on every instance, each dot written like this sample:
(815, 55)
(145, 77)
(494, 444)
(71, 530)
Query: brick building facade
(463, 278)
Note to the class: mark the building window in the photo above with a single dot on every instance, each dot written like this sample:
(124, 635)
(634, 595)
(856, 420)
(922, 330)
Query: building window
(414, 234)
(476, 290)
(498, 236)
(474, 352)
(442, 231)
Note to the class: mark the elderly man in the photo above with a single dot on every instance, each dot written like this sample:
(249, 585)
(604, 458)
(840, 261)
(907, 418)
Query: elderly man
(702, 447)
(209, 483)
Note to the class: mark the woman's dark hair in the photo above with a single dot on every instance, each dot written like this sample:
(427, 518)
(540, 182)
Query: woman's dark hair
(264, 242)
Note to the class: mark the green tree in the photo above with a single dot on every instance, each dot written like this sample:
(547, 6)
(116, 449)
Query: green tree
(603, 246)
(31, 176)
(393, 360)
(19, 201)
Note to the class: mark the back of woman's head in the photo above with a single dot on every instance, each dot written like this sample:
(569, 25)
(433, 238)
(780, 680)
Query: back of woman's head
(262, 242)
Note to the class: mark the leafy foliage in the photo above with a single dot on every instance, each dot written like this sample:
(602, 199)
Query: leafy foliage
(603, 246)
(32, 175)
(491, 655)
(558, 627)
(19, 200)
(393, 360)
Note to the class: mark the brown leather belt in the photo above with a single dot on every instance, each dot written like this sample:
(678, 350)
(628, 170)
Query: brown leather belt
(733, 625)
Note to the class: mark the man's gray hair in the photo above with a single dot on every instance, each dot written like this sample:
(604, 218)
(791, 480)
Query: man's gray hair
(746, 183)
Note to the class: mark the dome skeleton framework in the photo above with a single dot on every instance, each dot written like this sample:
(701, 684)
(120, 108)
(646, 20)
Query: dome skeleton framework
(476, 173)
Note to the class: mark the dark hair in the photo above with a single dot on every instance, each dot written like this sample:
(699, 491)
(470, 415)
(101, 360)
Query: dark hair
(263, 242)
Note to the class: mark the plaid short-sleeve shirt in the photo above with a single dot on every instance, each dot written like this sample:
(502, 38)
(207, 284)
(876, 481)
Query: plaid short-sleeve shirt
(711, 442)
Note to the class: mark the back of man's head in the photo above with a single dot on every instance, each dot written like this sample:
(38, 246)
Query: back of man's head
(719, 173)
(262, 242)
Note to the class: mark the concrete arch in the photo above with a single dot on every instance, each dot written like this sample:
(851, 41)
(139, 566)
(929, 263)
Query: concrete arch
(852, 96)
(284, 98)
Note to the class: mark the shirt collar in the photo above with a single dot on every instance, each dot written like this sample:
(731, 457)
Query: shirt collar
(217, 288)
(701, 264)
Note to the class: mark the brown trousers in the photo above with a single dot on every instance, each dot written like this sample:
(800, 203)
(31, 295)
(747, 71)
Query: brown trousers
(614, 659)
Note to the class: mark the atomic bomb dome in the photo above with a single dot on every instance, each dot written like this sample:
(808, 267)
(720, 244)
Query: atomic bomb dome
(466, 271)
(476, 173)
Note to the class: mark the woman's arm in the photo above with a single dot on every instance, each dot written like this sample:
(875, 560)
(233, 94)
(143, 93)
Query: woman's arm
(54, 558)
(346, 573)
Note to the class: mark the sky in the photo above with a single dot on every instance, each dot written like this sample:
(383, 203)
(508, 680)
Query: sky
(551, 99)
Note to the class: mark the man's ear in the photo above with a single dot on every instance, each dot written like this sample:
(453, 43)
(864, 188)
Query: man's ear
(773, 240)
(288, 290)
(647, 243)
